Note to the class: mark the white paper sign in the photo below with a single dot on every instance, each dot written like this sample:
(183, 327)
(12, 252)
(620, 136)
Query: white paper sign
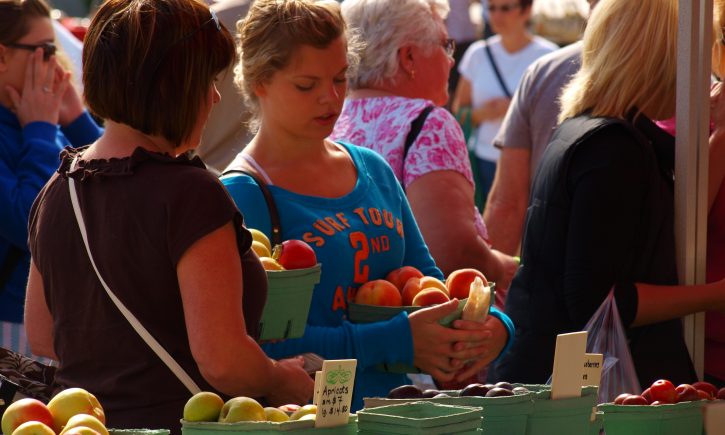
(337, 380)
(568, 368)
(593, 364)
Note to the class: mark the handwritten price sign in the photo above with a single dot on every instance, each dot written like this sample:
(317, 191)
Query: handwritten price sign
(333, 392)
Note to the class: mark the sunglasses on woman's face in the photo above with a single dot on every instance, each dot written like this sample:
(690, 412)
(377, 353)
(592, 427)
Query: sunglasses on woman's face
(48, 48)
(503, 8)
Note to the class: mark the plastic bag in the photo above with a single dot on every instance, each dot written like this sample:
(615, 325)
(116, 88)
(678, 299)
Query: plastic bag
(606, 336)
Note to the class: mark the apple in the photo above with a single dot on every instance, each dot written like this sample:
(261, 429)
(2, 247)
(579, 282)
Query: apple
(304, 411)
(430, 296)
(269, 263)
(704, 395)
(686, 393)
(706, 387)
(203, 406)
(260, 237)
(378, 292)
(25, 410)
(275, 414)
(401, 275)
(721, 393)
(241, 409)
(634, 399)
(85, 420)
(72, 401)
(32, 428)
(647, 395)
(260, 249)
(294, 254)
(620, 398)
(459, 282)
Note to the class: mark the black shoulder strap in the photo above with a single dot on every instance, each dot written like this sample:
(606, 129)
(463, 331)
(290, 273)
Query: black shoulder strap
(271, 205)
(496, 71)
(11, 261)
(415, 127)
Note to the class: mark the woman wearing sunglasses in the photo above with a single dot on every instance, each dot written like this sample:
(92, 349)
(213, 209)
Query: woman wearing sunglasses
(35, 99)
(490, 72)
(165, 237)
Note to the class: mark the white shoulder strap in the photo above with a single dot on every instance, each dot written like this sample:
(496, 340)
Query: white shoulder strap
(137, 326)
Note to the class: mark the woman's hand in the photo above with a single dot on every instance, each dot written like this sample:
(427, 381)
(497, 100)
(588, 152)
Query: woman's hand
(42, 91)
(441, 351)
(492, 345)
(71, 105)
(294, 385)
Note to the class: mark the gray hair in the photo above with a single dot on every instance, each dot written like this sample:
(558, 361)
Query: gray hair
(384, 26)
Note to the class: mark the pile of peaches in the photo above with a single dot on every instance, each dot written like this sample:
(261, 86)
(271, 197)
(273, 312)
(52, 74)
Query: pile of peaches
(73, 411)
(406, 286)
(207, 406)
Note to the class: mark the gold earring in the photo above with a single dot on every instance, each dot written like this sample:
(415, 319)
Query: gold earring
(412, 74)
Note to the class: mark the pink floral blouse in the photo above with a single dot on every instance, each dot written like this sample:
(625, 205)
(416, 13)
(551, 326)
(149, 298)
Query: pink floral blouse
(383, 123)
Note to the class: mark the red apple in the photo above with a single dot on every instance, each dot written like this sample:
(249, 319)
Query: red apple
(400, 276)
(633, 399)
(647, 395)
(25, 410)
(620, 398)
(706, 387)
(663, 391)
(378, 292)
(294, 254)
(686, 393)
(721, 393)
(459, 282)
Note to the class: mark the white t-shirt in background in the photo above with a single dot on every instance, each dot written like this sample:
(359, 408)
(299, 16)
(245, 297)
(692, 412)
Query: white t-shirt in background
(477, 69)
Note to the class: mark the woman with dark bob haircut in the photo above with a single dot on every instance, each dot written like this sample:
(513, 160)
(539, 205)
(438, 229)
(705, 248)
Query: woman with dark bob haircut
(162, 233)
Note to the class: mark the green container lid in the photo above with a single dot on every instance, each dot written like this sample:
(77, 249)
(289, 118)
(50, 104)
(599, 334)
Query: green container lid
(138, 432)
(289, 296)
(422, 417)
(304, 427)
(676, 419)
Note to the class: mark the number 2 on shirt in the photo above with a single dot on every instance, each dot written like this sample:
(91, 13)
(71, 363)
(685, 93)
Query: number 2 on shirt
(359, 242)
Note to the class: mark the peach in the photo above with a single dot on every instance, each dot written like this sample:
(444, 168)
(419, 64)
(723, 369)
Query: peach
(459, 282)
(401, 275)
(430, 296)
(33, 428)
(270, 263)
(378, 292)
(25, 410)
(429, 281)
(410, 289)
(72, 401)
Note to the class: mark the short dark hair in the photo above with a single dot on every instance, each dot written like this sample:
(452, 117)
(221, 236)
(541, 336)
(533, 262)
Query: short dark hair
(15, 16)
(149, 64)
(526, 3)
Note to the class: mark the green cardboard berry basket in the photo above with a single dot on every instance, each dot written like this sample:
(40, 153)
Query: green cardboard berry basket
(289, 296)
(138, 432)
(500, 415)
(361, 313)
(424, 418)
(683, 418)
(575, 415)
(303, 427)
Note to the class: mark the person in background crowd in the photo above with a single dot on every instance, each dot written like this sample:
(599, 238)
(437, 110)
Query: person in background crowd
(161, 228)
(490, 72)
(40, 113)
(526, 129)
(601, 214)
(462, 30)
(402, 73)
(342, 199)
(226, 132)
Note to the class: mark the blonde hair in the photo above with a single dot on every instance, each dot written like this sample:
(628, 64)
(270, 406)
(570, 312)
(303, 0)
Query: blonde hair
(629, 60)
(718, 21)
(385, 26)
(270, 34)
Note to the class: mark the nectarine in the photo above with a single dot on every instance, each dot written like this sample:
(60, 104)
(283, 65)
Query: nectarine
(378, 292)
(430, 296)
(459, 282)
(401, 275)
(429, 281)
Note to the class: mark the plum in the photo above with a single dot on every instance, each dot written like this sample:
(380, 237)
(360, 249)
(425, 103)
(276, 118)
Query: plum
(504, 385)
(440, 395)
(499, 392)
(427, 394)
(520, 390)
(721, 393)
(475, 390)
(405, 392)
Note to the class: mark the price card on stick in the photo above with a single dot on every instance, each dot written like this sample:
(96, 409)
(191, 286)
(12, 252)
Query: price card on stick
(568, 368)
(318, 382)
(593, 364)
(337, 380)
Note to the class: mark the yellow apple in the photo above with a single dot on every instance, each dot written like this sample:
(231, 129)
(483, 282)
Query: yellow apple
(204, 406)
(275, 414)
(260, 249)
(84, 420)
(25, 410)
(72, 401)
(32, 428)
(241, 409)
(305, 410)
(261, 238)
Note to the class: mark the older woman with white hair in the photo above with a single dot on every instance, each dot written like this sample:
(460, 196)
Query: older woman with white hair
(394, 109)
